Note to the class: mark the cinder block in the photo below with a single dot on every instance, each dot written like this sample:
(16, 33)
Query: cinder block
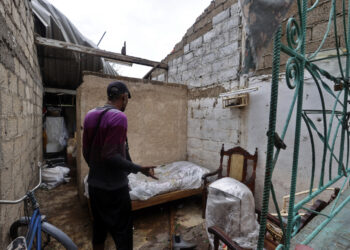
(172, 70)
(11, 127)
(21, 88)
(161, 77)
(199, 52)
(3, 77)
(196, 43)
(17, 106)
(2, 8)
(188, 56)
(229, 49)
(209, 58)
(7, 150)
(12, 83)
(27, 92)
(228, 74)
(186, 48)
(230, 24)
(235, 9)
(235, 34)
(15, 16)
(194, 143)
(234, 59)
(221, 17)
(23, 74)
(208, 36)
(212, 146)
(6, 103)
(217, 42)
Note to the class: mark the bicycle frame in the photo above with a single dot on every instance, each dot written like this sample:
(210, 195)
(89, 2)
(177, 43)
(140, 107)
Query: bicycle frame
(34, 229)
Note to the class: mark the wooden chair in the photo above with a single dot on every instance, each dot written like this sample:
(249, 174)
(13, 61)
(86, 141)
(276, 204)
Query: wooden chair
(272, 238)
(237, 168)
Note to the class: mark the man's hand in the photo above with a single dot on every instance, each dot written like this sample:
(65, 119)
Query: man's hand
(148, 171)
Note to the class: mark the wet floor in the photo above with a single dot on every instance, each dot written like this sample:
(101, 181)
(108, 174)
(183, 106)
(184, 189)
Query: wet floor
(151, 225)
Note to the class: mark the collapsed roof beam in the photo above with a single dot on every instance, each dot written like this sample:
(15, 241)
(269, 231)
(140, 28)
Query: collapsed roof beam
(97, 52)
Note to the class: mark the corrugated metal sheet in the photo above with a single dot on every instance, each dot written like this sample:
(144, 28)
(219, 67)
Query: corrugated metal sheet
(60, 68)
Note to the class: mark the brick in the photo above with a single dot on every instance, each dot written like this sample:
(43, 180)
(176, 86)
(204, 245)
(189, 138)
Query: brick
(221, 17)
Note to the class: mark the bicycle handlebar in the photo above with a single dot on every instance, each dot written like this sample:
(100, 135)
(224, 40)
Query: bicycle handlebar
(25, 196)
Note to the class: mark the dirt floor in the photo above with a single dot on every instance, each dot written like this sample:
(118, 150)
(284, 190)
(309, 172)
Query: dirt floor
(151, 225)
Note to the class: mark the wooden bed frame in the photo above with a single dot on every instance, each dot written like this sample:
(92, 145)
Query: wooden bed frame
(166, 197)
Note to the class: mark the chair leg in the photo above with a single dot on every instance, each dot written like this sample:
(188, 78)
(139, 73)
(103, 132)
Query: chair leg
(216, 242)
(204, 202)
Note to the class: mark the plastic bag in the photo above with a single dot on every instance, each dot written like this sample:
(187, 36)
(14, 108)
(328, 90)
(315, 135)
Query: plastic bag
(52, 177)
(231, 207)
(18, 244)
(57, 133)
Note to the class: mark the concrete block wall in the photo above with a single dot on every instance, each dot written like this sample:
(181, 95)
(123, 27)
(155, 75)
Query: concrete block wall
(208, 61)
(317, 22)
(208, 64)
(157, 124)
(20, 109)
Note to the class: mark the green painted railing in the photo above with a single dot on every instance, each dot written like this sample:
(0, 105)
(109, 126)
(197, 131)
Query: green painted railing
(331, 139)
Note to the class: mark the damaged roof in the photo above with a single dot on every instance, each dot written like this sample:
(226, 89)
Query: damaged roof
(62, 68)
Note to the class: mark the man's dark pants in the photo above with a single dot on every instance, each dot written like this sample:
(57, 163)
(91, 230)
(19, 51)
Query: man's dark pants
(111, 210)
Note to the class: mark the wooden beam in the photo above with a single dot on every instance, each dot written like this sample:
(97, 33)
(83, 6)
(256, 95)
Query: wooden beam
(97, 52)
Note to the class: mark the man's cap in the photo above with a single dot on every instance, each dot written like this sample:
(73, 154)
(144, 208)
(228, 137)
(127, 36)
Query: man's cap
(116, 88)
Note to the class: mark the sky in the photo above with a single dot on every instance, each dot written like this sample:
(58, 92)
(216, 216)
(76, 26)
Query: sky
(151, 28)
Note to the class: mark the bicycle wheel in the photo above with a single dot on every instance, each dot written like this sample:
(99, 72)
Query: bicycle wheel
(52, 237)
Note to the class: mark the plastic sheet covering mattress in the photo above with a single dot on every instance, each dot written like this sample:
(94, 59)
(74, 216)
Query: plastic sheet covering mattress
(231, 207)
(180, 175)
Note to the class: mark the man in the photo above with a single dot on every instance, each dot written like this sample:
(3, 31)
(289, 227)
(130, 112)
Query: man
(105, 150)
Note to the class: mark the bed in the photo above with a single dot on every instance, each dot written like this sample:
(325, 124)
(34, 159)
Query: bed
(177, 180)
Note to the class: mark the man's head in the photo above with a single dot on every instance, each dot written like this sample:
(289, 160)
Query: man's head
(118, 95)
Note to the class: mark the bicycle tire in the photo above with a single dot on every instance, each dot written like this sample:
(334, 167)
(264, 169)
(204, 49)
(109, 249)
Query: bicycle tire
(50, 230)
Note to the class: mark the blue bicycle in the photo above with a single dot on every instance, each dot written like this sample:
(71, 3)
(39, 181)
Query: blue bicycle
(33, 232)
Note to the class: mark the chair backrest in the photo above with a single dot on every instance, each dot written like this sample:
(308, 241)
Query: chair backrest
(237, 165)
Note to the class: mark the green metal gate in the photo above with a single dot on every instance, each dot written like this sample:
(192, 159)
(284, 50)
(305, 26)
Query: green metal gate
(335, 120)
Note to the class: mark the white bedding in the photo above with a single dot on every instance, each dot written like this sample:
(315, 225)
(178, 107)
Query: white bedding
(180, 175)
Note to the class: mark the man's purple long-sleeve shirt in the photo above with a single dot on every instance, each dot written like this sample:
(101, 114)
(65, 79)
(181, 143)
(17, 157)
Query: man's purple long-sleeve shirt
(105, 152)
